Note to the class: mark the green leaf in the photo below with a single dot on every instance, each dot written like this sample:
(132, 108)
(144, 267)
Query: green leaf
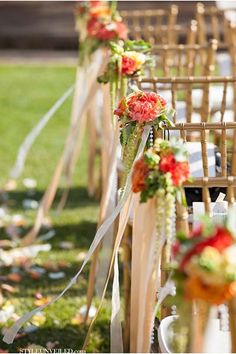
(138, 46)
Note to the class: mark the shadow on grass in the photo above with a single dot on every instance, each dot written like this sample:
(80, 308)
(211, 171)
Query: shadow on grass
(81, 234)
(69, 337)
(78, 197)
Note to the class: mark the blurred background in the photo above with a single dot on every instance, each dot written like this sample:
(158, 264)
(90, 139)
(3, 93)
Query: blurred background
(50, 24)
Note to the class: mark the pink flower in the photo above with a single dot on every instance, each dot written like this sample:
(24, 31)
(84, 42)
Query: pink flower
(128, 66)
(142, 107)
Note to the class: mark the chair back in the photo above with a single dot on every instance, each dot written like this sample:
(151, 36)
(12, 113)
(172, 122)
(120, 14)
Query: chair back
(204, 129)
(159, 26)
(212, 23)
(183, 60)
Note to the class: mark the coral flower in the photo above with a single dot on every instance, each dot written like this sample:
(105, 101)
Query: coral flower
(221, 240)
(196, 289)
(179, 170)
(131, 62)
(139, 175)
(128, 65)
(142, 107)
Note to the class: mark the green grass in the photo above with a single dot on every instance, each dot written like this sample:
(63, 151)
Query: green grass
(26, 93)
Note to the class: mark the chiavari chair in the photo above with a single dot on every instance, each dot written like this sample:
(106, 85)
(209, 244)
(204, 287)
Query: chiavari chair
(159, 26)
(210, 177)
(182, 60)
(182, 90)
(214, 23)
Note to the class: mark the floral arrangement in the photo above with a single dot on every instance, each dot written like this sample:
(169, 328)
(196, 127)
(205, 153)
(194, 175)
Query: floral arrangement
(106, 27)
(127, 59)
(142, 107)
(98, 22)
(134, 112)
(160, 173)
(164, 166)
(205, 266)
(204, 272)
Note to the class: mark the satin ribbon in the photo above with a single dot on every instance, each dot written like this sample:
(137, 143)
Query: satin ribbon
(120, 228)
(12, 331)
(70, 145)
(31, 137)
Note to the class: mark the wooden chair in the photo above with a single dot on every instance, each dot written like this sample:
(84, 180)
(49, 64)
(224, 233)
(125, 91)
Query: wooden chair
(183, 60)
(159, 26)
(182, 93)
(212, 23)
(225, 179)
(232, 45)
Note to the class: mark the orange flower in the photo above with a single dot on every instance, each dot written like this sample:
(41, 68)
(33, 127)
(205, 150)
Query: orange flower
(196, 289)
(139, 175)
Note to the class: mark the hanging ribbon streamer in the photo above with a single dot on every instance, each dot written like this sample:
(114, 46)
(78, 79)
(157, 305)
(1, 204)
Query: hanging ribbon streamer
(12, 331)
(31, 137)
(70, 144)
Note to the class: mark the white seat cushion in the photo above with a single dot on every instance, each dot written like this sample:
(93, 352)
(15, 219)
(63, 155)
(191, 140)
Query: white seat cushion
(224, 64)
(215, 97)
(229, 117)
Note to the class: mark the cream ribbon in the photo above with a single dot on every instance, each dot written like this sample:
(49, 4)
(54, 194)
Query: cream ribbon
(31, 137)
(12, 331)
(70, 145)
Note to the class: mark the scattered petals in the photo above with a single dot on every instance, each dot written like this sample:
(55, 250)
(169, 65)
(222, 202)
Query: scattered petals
(39, 319)
(56, 275)
(30, 183)
(42, 301)
(15, 277)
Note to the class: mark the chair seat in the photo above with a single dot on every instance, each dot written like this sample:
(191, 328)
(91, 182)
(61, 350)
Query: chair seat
(224, 64)
(215, 97)
(229, 117)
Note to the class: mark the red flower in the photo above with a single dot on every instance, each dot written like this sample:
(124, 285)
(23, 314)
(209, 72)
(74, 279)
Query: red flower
(106, 31)
(179, 170)
(221, 240)
(128, 66)
(180, 173)
(175, 248)
(120, 110)
(167, 162)
(142, 107)
(139, 175)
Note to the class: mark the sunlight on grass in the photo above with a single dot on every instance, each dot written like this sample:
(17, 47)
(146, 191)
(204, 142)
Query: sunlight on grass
(26, 93)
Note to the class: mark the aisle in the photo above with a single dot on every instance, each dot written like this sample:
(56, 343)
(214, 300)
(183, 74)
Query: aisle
(26, 94)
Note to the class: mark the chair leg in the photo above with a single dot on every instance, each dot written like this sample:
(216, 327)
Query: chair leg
(127, 285)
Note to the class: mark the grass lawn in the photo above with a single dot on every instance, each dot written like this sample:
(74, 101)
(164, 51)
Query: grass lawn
(26, 93)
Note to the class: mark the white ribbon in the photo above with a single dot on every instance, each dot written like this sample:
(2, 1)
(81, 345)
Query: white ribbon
(30, 138)
(11, 333)
(116, 329)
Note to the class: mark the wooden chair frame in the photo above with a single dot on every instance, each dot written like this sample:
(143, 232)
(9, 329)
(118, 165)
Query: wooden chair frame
(212, 23)
(159, 26)
(187, 128)
(184, 60)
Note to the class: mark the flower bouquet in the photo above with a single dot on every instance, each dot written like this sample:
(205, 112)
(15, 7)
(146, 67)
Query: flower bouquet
(134, 112)
(205, 274)
(160, 173)
(98, 23)
(127, 59)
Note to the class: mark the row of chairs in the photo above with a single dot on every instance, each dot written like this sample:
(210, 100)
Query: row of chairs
(190, 64)
(161, 26)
